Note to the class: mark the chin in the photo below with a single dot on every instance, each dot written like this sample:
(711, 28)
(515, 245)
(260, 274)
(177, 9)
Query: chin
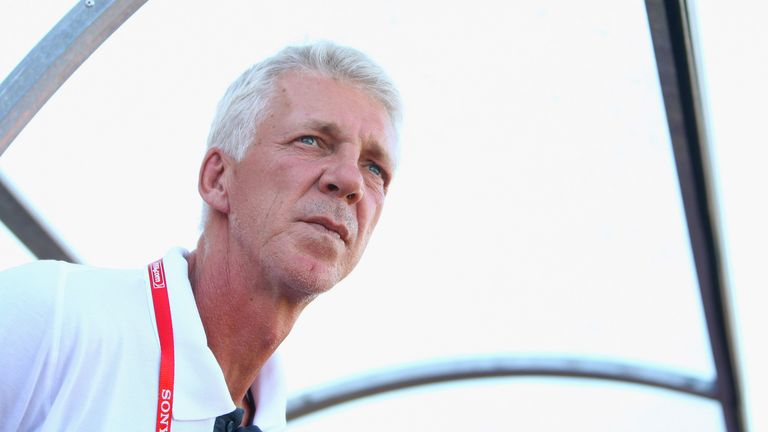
(304, 278)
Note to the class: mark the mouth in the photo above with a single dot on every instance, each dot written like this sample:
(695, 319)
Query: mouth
(329, 226)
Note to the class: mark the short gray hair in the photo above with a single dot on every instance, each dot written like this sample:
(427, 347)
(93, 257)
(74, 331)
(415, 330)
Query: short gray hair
(244, 104)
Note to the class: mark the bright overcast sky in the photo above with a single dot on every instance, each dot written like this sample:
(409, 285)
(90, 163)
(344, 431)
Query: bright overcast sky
(536, 211)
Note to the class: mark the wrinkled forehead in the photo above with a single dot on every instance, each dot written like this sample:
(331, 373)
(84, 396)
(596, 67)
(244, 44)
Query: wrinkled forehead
(389, 144)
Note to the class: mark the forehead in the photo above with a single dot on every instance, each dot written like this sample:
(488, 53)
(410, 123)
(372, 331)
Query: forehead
(302, 99)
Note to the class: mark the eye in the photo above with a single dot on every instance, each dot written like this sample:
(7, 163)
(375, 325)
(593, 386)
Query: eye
(376, 170)
(309, 140)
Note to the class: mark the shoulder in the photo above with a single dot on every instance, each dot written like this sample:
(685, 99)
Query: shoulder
(32, 285)
(70, 293)
(43, 281)
(28, 296)
(102, 300)
(74, 333)
(40, 273)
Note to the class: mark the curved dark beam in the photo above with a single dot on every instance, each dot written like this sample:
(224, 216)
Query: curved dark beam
(55, 58)
(464, 369)
(673, 43)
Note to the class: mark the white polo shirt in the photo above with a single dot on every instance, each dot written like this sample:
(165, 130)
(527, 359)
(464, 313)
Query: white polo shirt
(79, 351)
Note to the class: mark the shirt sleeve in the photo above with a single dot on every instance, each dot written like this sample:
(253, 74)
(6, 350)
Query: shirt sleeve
(28, 342)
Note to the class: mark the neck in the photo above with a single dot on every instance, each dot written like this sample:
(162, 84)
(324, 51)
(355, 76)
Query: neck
(244, 319)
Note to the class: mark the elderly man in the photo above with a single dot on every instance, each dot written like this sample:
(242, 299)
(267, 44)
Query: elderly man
(300, 156)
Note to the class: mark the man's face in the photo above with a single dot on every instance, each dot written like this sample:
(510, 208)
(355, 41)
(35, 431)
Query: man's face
(310, 189)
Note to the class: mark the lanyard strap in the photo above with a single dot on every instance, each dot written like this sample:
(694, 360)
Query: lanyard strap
(159, 290)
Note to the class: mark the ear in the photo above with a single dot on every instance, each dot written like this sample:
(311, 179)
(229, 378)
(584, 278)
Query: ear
(212, 183)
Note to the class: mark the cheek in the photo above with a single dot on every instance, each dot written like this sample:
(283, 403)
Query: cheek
(257, 212)
(368, 216)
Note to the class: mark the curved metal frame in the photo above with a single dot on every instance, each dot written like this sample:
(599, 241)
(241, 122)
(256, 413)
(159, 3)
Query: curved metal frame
(53, 60)
(493, 367)
(29, 86)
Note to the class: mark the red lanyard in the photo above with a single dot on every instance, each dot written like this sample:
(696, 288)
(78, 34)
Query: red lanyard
(159, 290)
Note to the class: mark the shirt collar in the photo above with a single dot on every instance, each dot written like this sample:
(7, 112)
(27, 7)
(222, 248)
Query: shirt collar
(200, 389)
(270, 392)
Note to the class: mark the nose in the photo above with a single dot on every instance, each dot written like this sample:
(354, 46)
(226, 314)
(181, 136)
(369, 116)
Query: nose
(343, 180)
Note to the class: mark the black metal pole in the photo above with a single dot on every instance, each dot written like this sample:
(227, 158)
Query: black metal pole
(675, 56)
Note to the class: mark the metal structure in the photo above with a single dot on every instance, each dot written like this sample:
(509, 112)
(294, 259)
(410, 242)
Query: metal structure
(89, 23)
(28, 229)
(495, 367)
(675, 59)
(53, 60)
(29, 86)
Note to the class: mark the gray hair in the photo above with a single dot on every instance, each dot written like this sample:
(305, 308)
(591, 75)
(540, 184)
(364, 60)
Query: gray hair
(244, 104)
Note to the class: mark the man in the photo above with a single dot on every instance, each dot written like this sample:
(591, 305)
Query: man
(301, 153)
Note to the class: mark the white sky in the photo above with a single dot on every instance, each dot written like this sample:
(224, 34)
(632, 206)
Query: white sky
(734, 61)
(536, 211)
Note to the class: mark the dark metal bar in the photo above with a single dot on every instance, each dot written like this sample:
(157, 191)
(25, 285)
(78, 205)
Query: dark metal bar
(55, 58)
(28, 229)
(675, 58)
(464, 369)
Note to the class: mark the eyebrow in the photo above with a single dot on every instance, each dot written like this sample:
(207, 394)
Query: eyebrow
(328, 128)
(376, 151)
(373, 147)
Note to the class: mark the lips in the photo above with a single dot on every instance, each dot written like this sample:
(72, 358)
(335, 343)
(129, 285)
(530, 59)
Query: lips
(330, 225)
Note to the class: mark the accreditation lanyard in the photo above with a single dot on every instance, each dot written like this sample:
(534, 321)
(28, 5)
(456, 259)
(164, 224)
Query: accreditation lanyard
(159, 289)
